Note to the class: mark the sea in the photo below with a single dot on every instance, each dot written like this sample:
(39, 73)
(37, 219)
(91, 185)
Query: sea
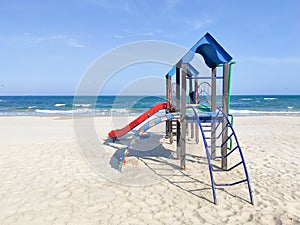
(135, 105)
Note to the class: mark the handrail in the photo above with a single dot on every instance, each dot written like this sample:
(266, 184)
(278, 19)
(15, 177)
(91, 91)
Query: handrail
(241, 154)
(142, 130)
(208, 155)
(232, 134)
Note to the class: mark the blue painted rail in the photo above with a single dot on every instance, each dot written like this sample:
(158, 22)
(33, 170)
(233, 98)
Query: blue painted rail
(215, 121)
(142, 130)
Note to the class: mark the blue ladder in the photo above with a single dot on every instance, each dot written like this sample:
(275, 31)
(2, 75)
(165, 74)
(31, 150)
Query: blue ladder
(209, 125)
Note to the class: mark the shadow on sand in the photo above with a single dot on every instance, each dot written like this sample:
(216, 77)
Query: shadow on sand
(155, 154)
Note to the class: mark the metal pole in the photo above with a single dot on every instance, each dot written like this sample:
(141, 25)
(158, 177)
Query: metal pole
(167, 98)
(213, 109)
(178, 148)
(191, 102)
(183, 117)
(225, 110)
(196, 102)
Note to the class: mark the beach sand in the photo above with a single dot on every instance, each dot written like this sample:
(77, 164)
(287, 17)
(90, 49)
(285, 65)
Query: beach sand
(45, 178)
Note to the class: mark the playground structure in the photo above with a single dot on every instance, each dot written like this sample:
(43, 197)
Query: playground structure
(193, 103)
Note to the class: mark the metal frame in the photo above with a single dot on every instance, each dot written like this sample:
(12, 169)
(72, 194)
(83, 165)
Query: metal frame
(215, 57)
(209, 157)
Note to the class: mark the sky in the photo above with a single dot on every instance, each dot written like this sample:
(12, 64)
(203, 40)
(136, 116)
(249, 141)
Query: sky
(47, 46)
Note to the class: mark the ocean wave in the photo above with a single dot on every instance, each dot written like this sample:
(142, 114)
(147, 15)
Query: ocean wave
(59, 105)
(125, 112)
(17, 114)
(252, 112)
(119, 111)
(246, 99)
(269, 99)
(32, 107)
(81, 111)
(82, 105)
(48, 111)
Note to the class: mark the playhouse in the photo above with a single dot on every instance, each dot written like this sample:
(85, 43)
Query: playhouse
(197, 104)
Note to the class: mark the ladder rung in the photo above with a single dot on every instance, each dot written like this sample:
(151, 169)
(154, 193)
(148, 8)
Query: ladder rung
(231, 184)
(225, 156)
(227, 139)
(210, 138)
(206, 130)
(214, 146)
(231, 168)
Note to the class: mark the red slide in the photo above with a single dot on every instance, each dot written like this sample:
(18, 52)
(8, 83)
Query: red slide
(139, 120)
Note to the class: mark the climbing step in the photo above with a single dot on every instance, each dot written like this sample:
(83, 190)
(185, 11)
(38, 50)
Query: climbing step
(174, 124)
(220, 120)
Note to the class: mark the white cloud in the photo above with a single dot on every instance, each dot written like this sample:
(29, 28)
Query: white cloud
(273, 60)
(198, 23)
(74, 43)
(38, 39)
(118, 36)
(134, 6)
(121, 5)
(171, 4)
(28, 40)
(149, 34)
(134, 34)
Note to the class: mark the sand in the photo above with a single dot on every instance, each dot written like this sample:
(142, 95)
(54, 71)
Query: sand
(45, 178)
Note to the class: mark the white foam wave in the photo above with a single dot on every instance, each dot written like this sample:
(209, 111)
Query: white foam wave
(119, 110)
(47, 111)
(246, 99)
(59, 105)
(81, 111)
(84, 111)
(252, 112)
(32, 107)
(82, 105)
(269, 99)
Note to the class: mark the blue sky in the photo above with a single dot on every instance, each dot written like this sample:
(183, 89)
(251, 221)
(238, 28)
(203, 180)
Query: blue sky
(46, 46)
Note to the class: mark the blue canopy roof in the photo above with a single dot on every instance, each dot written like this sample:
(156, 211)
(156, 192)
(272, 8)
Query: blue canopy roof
(211, 51)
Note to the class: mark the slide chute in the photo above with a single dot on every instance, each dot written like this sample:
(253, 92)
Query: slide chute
(120, 132)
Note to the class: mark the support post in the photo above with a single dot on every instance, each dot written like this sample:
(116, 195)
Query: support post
(191, 102)
(169, 99)
(196, 102)
(178, 132)
(213, 109)
(183, 117)
(167, 87)
(225, 110)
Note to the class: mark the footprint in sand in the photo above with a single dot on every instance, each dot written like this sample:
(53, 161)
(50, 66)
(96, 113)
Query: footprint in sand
(64, 194)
